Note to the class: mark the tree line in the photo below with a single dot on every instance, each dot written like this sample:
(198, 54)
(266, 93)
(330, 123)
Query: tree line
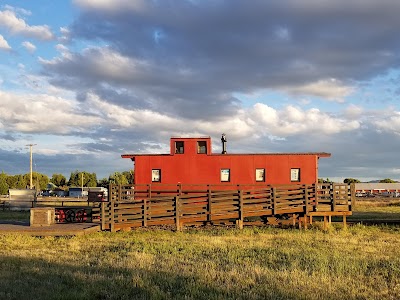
(354, 180)
(76, 179)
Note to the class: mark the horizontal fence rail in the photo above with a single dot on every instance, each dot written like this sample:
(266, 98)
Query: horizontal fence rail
(132, 206)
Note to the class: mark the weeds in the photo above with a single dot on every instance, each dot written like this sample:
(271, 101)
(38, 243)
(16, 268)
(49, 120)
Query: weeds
(262, 263)
(362, 262)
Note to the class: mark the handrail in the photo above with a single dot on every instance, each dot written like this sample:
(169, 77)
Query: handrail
(143, 205)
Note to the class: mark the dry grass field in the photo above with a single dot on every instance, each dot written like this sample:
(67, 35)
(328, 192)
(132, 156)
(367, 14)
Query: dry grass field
(376, 209)
(362, 262)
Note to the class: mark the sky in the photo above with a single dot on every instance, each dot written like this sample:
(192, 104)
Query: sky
(89, 80)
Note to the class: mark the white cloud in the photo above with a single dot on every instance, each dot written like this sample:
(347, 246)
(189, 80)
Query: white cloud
(15, 25)
(390, 122)
(29, 46)
(120, 118)
(104, 62)
(112, 6)
(331, 89)
(3, 44)
(64, 51)
(61, 48)
(65, 35)
(259, 120)
(18, 10)
(353, 111)
(292, 121)
(42, 113)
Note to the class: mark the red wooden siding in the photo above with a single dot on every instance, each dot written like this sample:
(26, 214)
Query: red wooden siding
(194, 168)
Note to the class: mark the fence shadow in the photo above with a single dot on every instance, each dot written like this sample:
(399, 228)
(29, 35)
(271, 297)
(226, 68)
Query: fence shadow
(23, 278)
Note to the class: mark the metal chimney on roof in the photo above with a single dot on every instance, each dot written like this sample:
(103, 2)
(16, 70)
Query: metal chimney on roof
(223, 140)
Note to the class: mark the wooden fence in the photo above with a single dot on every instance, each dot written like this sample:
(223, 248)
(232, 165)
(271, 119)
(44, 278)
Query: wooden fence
(185, 205)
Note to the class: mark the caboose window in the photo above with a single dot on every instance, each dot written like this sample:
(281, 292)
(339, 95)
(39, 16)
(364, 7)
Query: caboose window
(295, 174)
(156, 175)
(225, 175)
(179, 147)
(260, 175)
(202, 147)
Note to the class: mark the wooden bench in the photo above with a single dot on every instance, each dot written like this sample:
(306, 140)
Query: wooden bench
(327, 217)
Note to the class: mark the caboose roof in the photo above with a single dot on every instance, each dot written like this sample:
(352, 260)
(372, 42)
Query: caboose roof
(202, 138)
(319, 154)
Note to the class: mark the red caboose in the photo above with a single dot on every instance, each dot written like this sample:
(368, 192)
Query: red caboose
(191, 161)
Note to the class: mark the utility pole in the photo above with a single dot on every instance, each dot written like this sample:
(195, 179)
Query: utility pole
(82, 184)
(30, 164)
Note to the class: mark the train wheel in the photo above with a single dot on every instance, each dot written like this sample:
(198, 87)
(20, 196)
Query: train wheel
(70, 216)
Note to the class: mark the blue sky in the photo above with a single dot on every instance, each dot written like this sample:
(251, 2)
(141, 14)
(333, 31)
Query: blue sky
(89, 80)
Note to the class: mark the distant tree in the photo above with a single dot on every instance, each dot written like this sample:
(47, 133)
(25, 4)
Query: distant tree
(3, 187)
(11, 181)
(58, 180)
(321, 180)
(129, 175)
(118, 178)
(104, 182)
(92, 182)
(76, 178)
(387, 180)
(351, 180)
(21, 184)
(16, 181)
(3, 184)
(39, 180)
(20, 181)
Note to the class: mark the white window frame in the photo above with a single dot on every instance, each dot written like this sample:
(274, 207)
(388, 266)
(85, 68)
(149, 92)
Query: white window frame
(198, 147)
(260, 175)
(225, 175)
(295, 174)
(176, 147)
(156, 175)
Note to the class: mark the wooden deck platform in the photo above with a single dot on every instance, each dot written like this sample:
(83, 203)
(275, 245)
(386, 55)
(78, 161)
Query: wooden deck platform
(71, 229)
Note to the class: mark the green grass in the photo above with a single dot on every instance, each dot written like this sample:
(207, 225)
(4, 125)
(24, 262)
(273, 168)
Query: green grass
(218, 263)
(362, 262)
(376, 209)
(8, 215)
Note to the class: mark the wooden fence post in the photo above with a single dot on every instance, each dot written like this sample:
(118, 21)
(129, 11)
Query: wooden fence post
(316, 197)
(333, 197)
(352, 196)
(112, 213)
(103, 216)
(274, 201)
(179, 189)
(209, 212)
(144, 212)
(177, 214)
(241, 216)
(306, 199)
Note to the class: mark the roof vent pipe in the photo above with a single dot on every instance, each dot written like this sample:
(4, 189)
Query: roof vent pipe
(223, 140)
